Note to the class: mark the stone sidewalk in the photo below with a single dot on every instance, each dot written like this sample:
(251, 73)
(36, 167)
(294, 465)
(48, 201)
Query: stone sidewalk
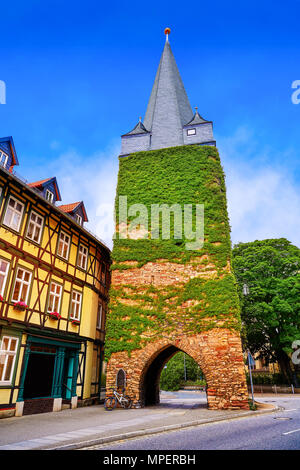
(83, 427)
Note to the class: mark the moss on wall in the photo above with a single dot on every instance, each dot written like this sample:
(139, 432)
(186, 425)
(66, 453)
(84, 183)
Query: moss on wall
(179, 175)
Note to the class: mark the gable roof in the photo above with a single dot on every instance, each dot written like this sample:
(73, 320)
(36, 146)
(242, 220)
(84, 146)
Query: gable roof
(138, 129)
(10, 141)
(197, 119)
(42, 183)
(73, 207)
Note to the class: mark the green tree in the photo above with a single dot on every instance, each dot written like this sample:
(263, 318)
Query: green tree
(173, 374)
(268, 276)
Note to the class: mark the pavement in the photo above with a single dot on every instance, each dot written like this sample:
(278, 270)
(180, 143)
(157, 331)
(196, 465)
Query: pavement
(92, 425)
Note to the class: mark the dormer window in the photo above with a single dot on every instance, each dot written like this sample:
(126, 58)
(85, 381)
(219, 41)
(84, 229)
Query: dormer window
(191, 131)
(3, 159)
(49, 195)
(78, 219)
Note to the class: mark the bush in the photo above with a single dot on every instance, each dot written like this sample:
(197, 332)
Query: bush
(172, 376)
(266, 379)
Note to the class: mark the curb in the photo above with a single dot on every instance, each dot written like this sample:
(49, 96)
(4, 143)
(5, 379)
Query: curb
(171, 427)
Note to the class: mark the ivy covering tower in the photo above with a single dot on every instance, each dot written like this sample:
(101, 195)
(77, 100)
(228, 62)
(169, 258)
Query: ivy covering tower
(172, 286)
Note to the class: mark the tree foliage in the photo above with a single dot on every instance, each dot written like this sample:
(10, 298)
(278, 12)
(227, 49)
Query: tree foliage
(268, 275)
(173, 374)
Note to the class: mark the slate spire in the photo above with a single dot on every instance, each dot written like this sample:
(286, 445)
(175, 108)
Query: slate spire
(168, 107)
(169, 120)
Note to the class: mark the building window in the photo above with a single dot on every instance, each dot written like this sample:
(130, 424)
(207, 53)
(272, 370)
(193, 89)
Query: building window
(78, 219)
(22, 284)
(54, 297)
(75, 305)
(191, 131)
(99, 316)
(63, 245)
(103, 274)
(82, 257)
(13, 214)
(3, 159)
(8, 352)
(49, 195)
(34, 230)
(4, 266)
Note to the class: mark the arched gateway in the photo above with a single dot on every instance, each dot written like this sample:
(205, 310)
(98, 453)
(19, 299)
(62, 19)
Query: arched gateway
(172, 287)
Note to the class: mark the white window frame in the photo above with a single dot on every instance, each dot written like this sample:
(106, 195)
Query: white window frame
(35, 226)
(7, 221)
(191, 131)
(6, 156)
(78, 219)
(4, 274)
(23, 283)
(82, 257)
(53, 296)
(64, 244)
(49, 195)
(75, 310)
(5, 354)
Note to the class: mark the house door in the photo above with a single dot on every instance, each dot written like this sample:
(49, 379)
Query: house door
(39, 375)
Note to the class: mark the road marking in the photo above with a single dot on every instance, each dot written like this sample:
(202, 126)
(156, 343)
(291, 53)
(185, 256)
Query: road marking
(291, 432)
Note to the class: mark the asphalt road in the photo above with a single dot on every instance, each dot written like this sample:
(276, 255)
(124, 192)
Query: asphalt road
(276, 431)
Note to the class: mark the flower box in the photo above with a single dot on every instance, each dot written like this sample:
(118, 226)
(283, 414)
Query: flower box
(20, 305)
(54, 316)
(75, 322)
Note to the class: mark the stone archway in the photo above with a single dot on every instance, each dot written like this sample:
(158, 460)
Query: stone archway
(218, 352)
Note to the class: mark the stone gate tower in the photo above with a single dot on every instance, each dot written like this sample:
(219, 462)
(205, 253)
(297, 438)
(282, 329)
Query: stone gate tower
(172, 286)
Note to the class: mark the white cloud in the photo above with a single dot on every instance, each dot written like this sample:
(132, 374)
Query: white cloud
(263, 200)
(91, 179)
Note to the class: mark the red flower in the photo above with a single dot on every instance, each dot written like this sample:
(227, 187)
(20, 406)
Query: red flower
(1, 298)
(20, 304)
(55, 315)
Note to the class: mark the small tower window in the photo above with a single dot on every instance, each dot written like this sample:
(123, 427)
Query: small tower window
(191, 131)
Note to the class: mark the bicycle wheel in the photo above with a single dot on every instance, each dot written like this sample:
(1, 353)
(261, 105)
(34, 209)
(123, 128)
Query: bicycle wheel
(110, 403)
(126, 402)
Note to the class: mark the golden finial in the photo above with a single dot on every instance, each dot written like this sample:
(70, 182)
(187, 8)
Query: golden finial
(167, 32)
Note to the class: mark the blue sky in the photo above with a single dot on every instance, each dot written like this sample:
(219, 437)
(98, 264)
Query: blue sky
(78, 75)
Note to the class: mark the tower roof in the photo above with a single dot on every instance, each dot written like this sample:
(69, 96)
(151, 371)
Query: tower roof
(168, 107)
(169, 116)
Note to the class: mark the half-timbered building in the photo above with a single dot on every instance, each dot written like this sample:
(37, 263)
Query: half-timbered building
(54, 280)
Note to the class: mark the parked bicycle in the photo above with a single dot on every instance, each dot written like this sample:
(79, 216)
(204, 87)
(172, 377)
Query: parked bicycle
(111, 401)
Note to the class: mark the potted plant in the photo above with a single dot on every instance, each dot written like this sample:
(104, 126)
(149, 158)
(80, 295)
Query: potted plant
(20, 305)
(75, 322)
(54, 316)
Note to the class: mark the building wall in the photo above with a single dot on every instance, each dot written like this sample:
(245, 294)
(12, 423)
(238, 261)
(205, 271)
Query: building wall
(45, 265)
(135, 143)
(204, 133)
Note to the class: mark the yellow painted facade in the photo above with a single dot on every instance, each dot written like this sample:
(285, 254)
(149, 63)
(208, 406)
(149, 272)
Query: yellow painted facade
(47, 363)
